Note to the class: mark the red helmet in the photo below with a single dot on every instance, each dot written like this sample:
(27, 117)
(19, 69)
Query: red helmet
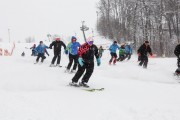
(57, 39)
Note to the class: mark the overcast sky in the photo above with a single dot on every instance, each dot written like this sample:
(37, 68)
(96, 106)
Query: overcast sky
(39, 17)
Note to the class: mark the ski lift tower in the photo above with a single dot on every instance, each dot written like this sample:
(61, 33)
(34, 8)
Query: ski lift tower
(84, 28)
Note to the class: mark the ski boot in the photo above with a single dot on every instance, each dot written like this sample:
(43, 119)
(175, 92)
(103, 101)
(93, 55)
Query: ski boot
(58, 65)
(177, 72)
(52, 65)
(83, 84)
(73, 84)
(73, 71)
(67, 71)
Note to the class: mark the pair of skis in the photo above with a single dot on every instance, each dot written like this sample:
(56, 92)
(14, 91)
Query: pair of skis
(93, 89)
(88, 89)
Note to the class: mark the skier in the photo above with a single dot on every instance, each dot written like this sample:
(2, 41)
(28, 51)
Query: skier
(72, 48)
(101, 50)
(128, 51)
(57, 51)
(177, 53)
(113, 49)
(142, 52)
(34, 53)
(86, 62)
(121, 53)
(40, 50)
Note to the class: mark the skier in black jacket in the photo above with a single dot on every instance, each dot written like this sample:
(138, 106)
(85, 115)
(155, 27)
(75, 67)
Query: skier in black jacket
(177, 53)
(86, 62)
(142, 52)
(57, 51)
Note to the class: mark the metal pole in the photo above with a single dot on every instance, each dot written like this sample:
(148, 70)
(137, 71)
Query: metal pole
(9, 35)
(83, 30)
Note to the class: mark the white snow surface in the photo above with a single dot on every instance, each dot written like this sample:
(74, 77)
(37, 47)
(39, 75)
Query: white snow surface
(31, 91)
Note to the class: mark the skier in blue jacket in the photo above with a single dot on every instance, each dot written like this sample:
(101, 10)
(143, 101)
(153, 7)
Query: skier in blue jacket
(113, 48)
(128, 51)
(72, 48)
(41, 50)
(34, 53)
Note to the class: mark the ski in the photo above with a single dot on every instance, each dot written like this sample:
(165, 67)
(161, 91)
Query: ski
(93, 89)
(88, 89)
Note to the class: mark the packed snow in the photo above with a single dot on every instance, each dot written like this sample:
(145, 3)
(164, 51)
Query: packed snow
(38, 92)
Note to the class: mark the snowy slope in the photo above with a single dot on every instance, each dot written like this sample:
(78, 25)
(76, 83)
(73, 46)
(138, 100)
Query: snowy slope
(39, 92)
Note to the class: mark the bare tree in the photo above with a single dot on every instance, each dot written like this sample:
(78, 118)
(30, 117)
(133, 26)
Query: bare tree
(139, 20)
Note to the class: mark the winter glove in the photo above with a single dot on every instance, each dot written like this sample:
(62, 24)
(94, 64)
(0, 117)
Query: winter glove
(139, 54)
(66, 52)
(50, 47)
(81, 61)
(98, 62)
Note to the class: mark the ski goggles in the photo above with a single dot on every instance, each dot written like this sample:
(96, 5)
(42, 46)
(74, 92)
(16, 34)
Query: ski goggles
(90, 42)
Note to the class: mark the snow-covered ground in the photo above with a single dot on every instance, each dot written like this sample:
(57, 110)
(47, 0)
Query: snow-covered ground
(40, 92)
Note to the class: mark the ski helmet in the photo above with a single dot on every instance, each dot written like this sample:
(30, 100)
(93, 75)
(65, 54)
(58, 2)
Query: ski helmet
(90, 40)
(73, 38)
(41, 42)
(146, 41)
(57, 39)
(115, 42)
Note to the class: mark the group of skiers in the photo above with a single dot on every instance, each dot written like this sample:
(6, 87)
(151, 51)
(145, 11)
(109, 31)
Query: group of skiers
(83, 56)
(125, 51)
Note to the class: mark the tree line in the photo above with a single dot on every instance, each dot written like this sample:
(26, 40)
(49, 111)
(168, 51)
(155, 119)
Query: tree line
(157, 21)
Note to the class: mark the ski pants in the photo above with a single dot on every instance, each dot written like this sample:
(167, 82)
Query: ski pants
(71, 59)
(113, 56)
(40, 55)
(89, 67)
(121, 58)
(33, 53)
(178, 62)
(128, 55)
(57, 55)
(143, 61)
(100, 55)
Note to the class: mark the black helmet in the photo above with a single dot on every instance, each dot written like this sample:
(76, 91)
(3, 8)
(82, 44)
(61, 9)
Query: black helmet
(146, 41)
(115, 42)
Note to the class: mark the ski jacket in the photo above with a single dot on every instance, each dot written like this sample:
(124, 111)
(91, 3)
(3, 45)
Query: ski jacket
(57, 46)
(41, 48)
(101, 50)
(72, 47)
(177, 50)
(122, 51)
(88, 52)
(144, 50)
(113, 48)
(128, 49)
